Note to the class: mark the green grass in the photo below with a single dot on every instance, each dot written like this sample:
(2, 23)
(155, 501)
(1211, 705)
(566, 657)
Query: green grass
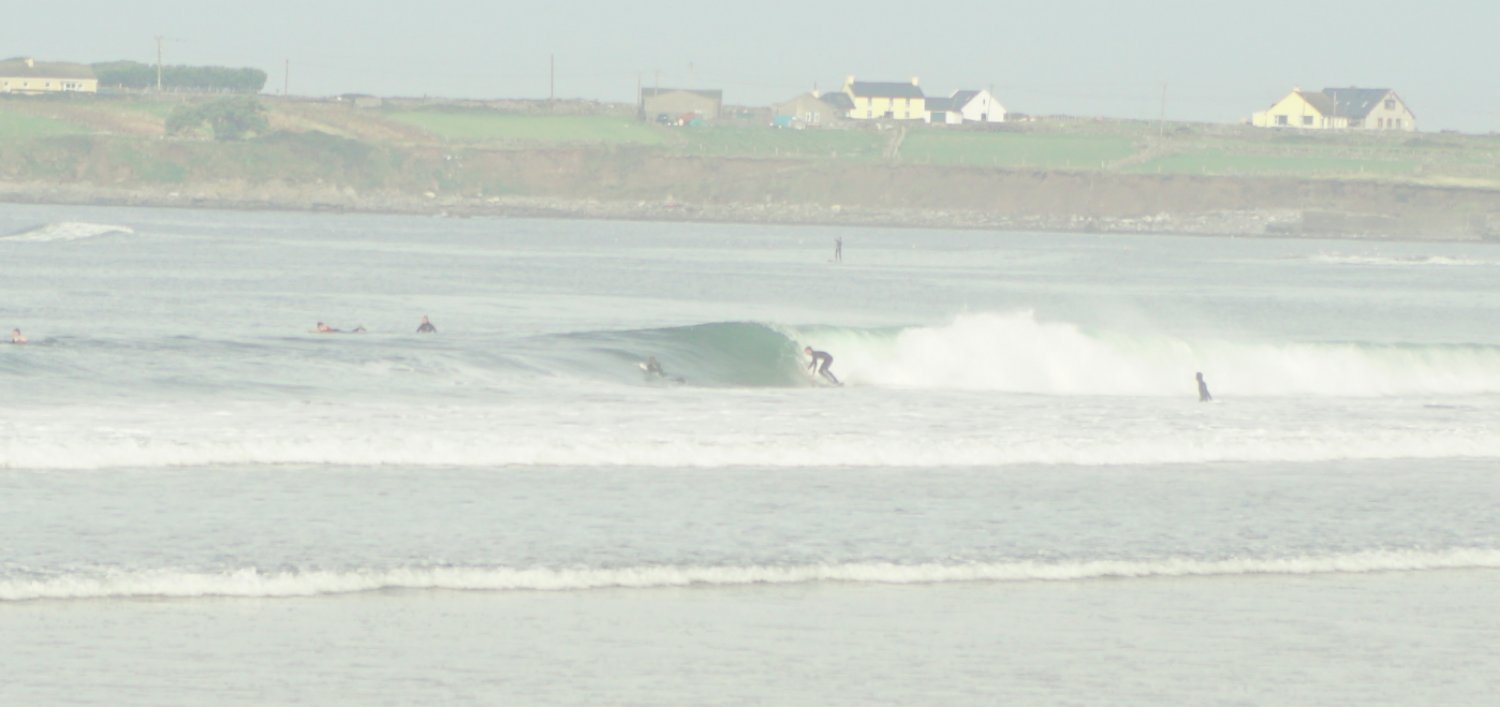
(482, 126)
(1222, 163)
(23, 126)
(726, 141)
(935, 145)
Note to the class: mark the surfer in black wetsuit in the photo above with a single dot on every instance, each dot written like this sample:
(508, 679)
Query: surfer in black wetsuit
(1203, 396)
(820, 363)
(652, 367)
(426, 327)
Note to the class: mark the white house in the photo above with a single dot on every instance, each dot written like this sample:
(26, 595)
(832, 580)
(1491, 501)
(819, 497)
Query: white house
(965, 106)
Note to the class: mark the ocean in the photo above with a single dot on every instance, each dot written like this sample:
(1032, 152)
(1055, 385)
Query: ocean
(1016, 497)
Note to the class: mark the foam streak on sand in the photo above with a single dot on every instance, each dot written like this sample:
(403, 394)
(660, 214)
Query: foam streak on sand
(252, 582)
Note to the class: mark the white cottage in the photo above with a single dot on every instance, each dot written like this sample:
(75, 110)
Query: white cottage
(965, 106)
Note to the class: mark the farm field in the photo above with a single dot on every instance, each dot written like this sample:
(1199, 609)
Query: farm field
(340, 139)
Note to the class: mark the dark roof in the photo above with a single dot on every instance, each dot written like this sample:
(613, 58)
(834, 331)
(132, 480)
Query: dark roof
(886, 89)
(1356, 103)
(17, 68)
(962, 98)
(654, 92)
(938, 103)
(842, 101)
(1322, 103)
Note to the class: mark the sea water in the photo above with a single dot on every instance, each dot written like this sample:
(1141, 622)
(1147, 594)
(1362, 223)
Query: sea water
(1015, 497)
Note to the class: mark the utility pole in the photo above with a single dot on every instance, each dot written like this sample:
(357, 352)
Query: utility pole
(1162, 122)
(551, 78)
(286, 75)
(159, 40)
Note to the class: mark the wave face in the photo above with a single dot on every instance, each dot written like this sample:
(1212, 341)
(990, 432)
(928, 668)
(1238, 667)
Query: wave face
(1014, 352)
(1017, 352)
(67, 231)
(255, 583)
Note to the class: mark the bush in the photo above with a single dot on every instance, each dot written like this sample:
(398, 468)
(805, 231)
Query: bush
(230, 118)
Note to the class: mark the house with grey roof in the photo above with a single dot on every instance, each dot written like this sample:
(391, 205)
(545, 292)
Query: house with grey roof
(811, 110)
(27, 75)
(965, 107)
(1339, 108)
(885, 100)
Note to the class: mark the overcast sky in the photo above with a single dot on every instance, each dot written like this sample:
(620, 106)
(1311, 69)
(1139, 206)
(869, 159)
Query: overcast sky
(1220, 61)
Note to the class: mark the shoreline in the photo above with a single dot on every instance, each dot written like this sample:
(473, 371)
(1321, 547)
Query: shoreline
(1246, 223)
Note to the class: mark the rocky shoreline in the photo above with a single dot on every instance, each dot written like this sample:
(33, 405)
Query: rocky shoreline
(1251, 222)
(1233, 223)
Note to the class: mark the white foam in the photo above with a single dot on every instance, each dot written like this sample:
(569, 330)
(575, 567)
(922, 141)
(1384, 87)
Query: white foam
(880, 429)
(68, 231)
(251, 582)
(1017, 352)
(1399, 261)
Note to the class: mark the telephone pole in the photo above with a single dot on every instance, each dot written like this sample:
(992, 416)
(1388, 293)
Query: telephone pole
(159, 40)
(551, 78)
(286, 75)
(1162, 122)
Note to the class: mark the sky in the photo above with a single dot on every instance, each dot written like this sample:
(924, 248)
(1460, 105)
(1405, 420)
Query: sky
(1214, 61)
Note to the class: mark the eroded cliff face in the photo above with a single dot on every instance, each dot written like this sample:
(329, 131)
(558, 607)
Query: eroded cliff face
(638, 183)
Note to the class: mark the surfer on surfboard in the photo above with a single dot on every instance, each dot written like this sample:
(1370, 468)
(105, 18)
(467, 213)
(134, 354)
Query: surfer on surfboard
(820, 362)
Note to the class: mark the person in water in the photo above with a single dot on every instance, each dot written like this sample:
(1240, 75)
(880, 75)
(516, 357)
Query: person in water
(820, 363)
(1203, 396)
(652, 367)
(426, 327)
(325, 329)
(16, 337)
(838, 249)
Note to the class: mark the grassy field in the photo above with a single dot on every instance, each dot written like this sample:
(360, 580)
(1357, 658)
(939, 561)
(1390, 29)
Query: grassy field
(358, 145)
(731, 141)
(473, 126)
(1014, 150)
(17, 125)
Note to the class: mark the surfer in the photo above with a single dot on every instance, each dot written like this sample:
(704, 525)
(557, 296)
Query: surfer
(1203, 396)
(652, 367)
(16, 337)
(820, 363)
(426, 327)
(838, 249)
(325, 329)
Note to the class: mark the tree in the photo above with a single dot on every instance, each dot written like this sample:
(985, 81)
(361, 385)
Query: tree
(230, 118)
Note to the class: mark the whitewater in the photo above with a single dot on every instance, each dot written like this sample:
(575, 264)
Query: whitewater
(1016, 495)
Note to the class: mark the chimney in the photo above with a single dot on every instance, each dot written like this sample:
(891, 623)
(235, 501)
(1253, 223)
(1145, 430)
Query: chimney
(30, 63)
(914, 81)
(848, 81)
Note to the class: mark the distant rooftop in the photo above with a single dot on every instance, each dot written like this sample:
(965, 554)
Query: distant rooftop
(27, 68)
(1356, 102)
(706, 93)
(885, 89)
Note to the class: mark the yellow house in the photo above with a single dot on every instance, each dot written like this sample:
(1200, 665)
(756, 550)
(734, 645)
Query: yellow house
(1331, 108)
(27, 75)
(881, 100)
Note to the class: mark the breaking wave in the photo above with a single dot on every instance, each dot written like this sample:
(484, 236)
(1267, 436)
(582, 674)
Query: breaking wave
(255, 583)
(1400, 260)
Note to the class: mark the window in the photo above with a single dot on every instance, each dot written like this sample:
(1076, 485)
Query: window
(1281, 120)
(1390, 104)
(1307, 121)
